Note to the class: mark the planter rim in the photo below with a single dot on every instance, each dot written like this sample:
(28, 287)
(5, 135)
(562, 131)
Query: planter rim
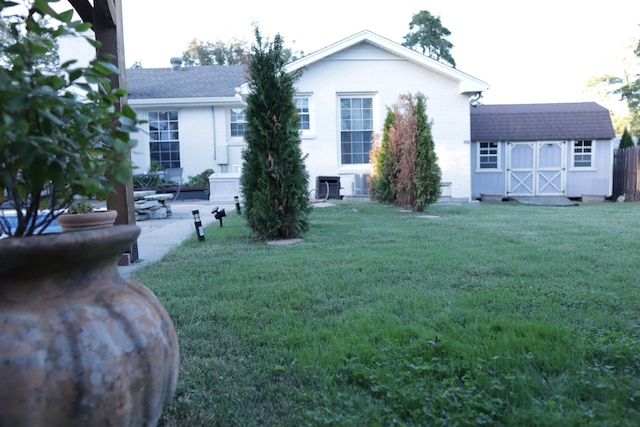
(53, 251)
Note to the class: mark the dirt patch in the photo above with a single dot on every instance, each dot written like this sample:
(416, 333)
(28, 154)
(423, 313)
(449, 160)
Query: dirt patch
(284, 242)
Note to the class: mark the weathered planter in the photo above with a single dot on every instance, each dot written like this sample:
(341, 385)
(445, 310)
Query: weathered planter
(79, 344)
(98, 219)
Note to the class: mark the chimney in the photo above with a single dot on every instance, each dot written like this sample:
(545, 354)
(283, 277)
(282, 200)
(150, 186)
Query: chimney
(176, 64)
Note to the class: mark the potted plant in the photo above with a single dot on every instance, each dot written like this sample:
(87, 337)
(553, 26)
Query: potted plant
(79, 344)
(82, 215)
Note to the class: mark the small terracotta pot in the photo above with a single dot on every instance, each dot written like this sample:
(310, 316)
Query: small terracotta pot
(98, 219)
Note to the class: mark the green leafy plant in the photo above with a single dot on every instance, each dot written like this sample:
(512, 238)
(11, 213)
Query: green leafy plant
(200, 180)
(80, 205)
(62, 133)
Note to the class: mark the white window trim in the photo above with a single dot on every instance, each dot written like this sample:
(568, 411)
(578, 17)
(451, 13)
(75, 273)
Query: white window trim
(593, 157)
(311, 132)
(499, 160)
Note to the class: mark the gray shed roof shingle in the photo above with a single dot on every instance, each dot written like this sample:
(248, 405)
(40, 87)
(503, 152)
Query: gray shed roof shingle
(188, 82)
(540, 122)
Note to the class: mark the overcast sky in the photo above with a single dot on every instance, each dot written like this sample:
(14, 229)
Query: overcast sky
(541, 51)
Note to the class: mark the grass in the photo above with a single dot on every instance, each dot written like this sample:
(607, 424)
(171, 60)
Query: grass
(537, 310)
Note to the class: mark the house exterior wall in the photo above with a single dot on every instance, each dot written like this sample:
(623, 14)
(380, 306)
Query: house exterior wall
(367, 70)
(196, 132)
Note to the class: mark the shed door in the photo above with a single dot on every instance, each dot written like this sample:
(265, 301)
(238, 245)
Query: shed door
(536, 168)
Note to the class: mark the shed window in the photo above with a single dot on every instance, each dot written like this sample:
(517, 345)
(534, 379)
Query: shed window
(583, 154)
(488, 155)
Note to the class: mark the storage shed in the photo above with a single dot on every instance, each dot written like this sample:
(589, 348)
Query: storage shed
(563, 149)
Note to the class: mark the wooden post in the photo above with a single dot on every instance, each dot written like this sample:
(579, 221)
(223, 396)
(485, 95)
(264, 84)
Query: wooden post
(106, 17)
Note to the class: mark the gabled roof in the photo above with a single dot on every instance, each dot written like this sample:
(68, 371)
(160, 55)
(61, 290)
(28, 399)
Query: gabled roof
(540, 122)
(468, 84)
(206, 81)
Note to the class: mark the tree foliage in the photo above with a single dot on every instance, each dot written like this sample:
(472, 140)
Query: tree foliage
(274, 179)
(627, 87)
(383, 157)
(429, 37)
(626, 141)
(405, 168)
(222, 53)
(233, 52)
(428, 173)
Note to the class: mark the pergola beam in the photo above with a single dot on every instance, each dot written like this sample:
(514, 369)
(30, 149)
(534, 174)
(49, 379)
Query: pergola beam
(105, 17)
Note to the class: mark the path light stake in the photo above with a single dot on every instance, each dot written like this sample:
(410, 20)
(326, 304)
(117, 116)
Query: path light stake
(198, 224)
(219, 214)
(235, 198)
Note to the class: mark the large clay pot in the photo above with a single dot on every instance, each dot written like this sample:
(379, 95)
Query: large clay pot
(79, 344)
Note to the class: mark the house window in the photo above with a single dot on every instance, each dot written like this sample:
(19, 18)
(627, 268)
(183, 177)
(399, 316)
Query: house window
(302, 108)
(583, 154)
(356, 129)
(164, 139)
(488, 155)
(238, 122)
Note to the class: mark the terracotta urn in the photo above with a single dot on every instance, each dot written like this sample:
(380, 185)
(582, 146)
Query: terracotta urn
(97, 219)
(79, 344)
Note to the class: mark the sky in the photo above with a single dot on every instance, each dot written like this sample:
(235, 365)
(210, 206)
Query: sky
(528, 52)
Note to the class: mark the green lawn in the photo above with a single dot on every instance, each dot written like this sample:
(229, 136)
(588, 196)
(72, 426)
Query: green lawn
(537, 310)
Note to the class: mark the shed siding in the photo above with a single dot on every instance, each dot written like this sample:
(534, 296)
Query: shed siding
(597, 181)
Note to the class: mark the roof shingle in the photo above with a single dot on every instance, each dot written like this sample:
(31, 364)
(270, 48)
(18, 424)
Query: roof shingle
(540, 122)
(188, 82)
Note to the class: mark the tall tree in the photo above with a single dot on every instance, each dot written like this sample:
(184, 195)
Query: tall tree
(627, 87)
(384, 161)
(403, 135)
(626, 141)
(405, 165)
(274, 179)
(429, 36)
(428, 172)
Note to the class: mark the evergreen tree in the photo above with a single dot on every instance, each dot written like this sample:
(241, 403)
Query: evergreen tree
(429, 36)
(428, 172)
(274, 178)
(403, 135)
(626, 141)
(384, 160)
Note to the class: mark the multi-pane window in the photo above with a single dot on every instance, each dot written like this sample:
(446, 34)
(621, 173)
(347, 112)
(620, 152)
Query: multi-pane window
(582, 154)
(356, 129)
(488, 155)
(164, 138)
(302, 108)
(238, 122)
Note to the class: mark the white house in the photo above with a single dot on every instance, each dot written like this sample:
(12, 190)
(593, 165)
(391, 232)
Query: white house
(196, 115)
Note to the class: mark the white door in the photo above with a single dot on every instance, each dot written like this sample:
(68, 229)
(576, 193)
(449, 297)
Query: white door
(536, 168)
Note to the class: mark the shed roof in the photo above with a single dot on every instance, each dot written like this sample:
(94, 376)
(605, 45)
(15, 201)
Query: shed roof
(205, 81)
(540, 122)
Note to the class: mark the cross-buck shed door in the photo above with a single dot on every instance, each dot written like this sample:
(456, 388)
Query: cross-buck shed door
(536, 168)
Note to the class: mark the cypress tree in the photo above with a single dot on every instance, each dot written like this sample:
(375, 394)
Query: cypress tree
(382, 185)
(274, 179)
(428, 173)
(403, 135)
(626, 141)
